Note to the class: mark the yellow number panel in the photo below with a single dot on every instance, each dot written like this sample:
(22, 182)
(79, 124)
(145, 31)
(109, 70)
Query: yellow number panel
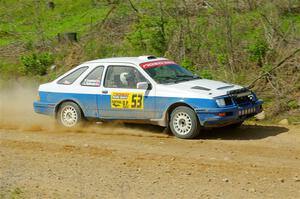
(127, 100)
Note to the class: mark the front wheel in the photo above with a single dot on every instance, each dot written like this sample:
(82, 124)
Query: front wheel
(69, 115)
(184, 123)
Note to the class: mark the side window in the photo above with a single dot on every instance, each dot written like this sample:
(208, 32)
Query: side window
(69, 79)
(122, 77)
(94, 77)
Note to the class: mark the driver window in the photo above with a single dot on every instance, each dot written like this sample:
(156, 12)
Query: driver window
(123, 77)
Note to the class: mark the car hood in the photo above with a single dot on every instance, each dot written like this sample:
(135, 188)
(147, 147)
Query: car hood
(205, 87)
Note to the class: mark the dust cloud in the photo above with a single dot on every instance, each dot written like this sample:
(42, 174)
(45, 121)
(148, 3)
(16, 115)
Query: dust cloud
(16, 109)
(16, 113)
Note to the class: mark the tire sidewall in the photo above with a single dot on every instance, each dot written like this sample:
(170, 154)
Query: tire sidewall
(195, 129)
(78, 111)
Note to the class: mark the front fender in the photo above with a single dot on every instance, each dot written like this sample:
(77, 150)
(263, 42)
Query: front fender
(165, 105)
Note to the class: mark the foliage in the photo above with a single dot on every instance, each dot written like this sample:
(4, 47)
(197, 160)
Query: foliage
(37, 63)
(258, 51)
(236, 41)
(148, 35)
(206, 74)
(10, 69)
(188, 64)
(293, 104)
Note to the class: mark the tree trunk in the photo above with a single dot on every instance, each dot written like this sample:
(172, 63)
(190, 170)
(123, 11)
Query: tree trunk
(67, 37)
(51, 5)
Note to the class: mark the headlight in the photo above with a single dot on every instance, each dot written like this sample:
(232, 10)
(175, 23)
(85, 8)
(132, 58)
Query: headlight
(38, 98)
(221, 102)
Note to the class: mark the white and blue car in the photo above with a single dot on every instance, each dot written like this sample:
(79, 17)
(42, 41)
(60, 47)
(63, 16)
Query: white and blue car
(145, 89)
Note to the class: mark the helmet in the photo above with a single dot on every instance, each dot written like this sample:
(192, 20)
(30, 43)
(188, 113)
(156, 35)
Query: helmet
(127, 78)
(124, 78)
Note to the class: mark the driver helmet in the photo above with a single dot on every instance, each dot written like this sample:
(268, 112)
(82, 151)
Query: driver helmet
(125, 78)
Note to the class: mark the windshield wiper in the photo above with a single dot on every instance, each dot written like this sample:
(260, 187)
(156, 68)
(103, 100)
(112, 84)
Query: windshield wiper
(186, 77)
(167, 78)
(189, 76)
(178, 78)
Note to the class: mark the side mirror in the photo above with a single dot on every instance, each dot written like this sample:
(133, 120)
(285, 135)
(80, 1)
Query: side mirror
(195, 76)
(143, 85)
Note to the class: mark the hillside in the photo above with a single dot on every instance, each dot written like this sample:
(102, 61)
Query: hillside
(234, 41)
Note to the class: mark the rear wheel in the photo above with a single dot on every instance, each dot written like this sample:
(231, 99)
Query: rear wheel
(184, 123)
(69, 115)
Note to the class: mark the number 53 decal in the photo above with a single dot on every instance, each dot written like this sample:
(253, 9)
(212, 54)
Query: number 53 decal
(127, 100)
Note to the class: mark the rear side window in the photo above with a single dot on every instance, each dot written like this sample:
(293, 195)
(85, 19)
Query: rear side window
(94, 77)
(69, 79)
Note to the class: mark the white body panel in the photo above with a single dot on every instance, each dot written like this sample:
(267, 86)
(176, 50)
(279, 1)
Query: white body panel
(183, 89)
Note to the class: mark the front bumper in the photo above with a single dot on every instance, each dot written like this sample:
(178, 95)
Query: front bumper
(233, 114)
(44, 108)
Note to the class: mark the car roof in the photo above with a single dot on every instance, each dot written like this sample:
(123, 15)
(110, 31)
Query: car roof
(133, 60)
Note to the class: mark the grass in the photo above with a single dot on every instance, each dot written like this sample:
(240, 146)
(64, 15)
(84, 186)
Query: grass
(30, 21)
(290, 21)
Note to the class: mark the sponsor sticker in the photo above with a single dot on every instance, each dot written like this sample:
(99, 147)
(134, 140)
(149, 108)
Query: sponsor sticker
(127, 100)
(91, 82)
(153, 64)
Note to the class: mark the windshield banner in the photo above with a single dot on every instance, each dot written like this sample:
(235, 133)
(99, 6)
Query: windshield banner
(153, 64)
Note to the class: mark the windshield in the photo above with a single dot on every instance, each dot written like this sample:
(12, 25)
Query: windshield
(171, 73)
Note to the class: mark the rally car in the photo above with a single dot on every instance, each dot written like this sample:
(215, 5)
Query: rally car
(146, 89)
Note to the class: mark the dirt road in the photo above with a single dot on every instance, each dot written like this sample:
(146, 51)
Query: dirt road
(122, 162)
(39, 160)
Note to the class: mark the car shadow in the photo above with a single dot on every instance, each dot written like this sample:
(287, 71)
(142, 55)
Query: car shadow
(245, 132)
(146, 127)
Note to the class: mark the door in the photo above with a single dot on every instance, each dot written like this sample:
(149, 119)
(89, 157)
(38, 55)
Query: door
(120, 97)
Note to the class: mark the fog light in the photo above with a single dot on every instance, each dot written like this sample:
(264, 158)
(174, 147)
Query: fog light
(222, 114)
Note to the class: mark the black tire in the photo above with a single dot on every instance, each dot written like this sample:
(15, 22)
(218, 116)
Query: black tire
(73, 111)
(167, 130)
(235, 125)
(184, 123)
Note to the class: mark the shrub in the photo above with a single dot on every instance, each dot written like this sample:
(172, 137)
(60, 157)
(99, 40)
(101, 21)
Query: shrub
(188, 64)
(37, 63)
(206, 74)
(293, 104)
(258, 51)
(10, 69)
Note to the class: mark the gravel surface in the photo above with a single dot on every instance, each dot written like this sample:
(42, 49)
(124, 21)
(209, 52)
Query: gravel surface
(138, 161)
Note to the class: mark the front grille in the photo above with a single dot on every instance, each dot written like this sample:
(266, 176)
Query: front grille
(242, 100)
(241, 96)
(228, 101)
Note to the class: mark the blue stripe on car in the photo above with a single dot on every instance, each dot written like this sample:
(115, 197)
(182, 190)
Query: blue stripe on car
(98, 106)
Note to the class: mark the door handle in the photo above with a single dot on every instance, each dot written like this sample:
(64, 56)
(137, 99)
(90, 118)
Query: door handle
(104, 92)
